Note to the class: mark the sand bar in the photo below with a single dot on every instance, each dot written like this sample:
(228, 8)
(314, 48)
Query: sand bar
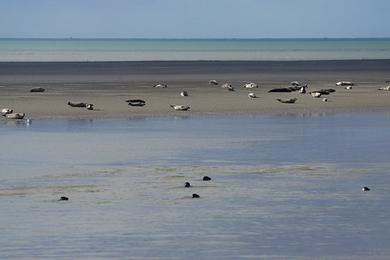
(108, 84)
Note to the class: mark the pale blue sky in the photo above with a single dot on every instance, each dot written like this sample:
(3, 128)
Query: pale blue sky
(194, 18)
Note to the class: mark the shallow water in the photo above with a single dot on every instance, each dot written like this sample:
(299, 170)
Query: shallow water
(284, 187)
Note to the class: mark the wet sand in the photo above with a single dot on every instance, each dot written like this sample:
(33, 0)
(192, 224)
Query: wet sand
(108, 84)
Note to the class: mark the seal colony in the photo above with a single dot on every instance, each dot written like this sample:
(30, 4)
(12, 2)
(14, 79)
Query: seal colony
(205, 87)
(294, 87)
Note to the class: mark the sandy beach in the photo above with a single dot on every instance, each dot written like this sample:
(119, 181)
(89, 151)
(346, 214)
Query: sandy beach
(108, 84)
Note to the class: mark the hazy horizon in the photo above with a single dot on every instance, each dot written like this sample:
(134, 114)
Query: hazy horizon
(190, 19)
(192, 38)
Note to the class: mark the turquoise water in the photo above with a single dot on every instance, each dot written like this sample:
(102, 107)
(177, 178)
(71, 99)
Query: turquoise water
(191, 49)
(283, 187)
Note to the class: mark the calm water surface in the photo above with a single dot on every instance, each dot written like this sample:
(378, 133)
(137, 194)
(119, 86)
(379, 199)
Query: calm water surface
(192, 49)
(283, 187)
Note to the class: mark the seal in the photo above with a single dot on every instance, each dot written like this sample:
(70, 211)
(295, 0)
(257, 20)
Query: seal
(77, 104)
(62, 198)
(344, 83)
(252, 95)
(37, 89)
(287, 101)
(136, 102)
(213, 82)
(160, 85)
(180, 107)
(184, 94)
(227, 86)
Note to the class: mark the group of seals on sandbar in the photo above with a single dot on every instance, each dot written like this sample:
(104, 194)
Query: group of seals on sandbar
(293, 87)
(296, 86)
(10, 114)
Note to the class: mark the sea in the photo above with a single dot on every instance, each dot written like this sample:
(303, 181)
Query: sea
(192, 49)
(282, 187)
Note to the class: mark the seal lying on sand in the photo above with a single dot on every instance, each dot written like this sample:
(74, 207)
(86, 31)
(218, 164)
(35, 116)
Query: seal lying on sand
(252, 95)
(288, 89)
(344, 83)
(80, 104)
(37, 90)
(315, 94)
(6, 111)
(280, 90)
(15, 116)
(250, 85)
(213, 82)
(326, 91)
(295, 83)
(184, 94)
(180, 107)
(385, 88)
(287, 101)
(227, 86)
(160, 85)
(136, 102)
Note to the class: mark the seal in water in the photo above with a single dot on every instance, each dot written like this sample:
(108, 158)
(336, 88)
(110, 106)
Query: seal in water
(365, 189)
(206, 178)
(63, 198)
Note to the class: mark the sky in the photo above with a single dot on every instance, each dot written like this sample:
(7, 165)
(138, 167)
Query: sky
(194, 18)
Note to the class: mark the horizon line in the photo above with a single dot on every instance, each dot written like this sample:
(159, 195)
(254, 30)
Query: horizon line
(190, 38)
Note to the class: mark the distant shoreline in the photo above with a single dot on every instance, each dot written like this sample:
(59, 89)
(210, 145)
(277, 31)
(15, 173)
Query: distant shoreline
(191, 49)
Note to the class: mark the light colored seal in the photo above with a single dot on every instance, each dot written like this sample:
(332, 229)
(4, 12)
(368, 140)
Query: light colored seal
(180, 107)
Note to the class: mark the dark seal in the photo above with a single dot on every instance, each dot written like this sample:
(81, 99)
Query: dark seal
(195, 196)
(206, 178)
(63, 198)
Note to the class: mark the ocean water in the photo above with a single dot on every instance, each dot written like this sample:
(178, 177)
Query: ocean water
(283, 187)
(191, 49)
